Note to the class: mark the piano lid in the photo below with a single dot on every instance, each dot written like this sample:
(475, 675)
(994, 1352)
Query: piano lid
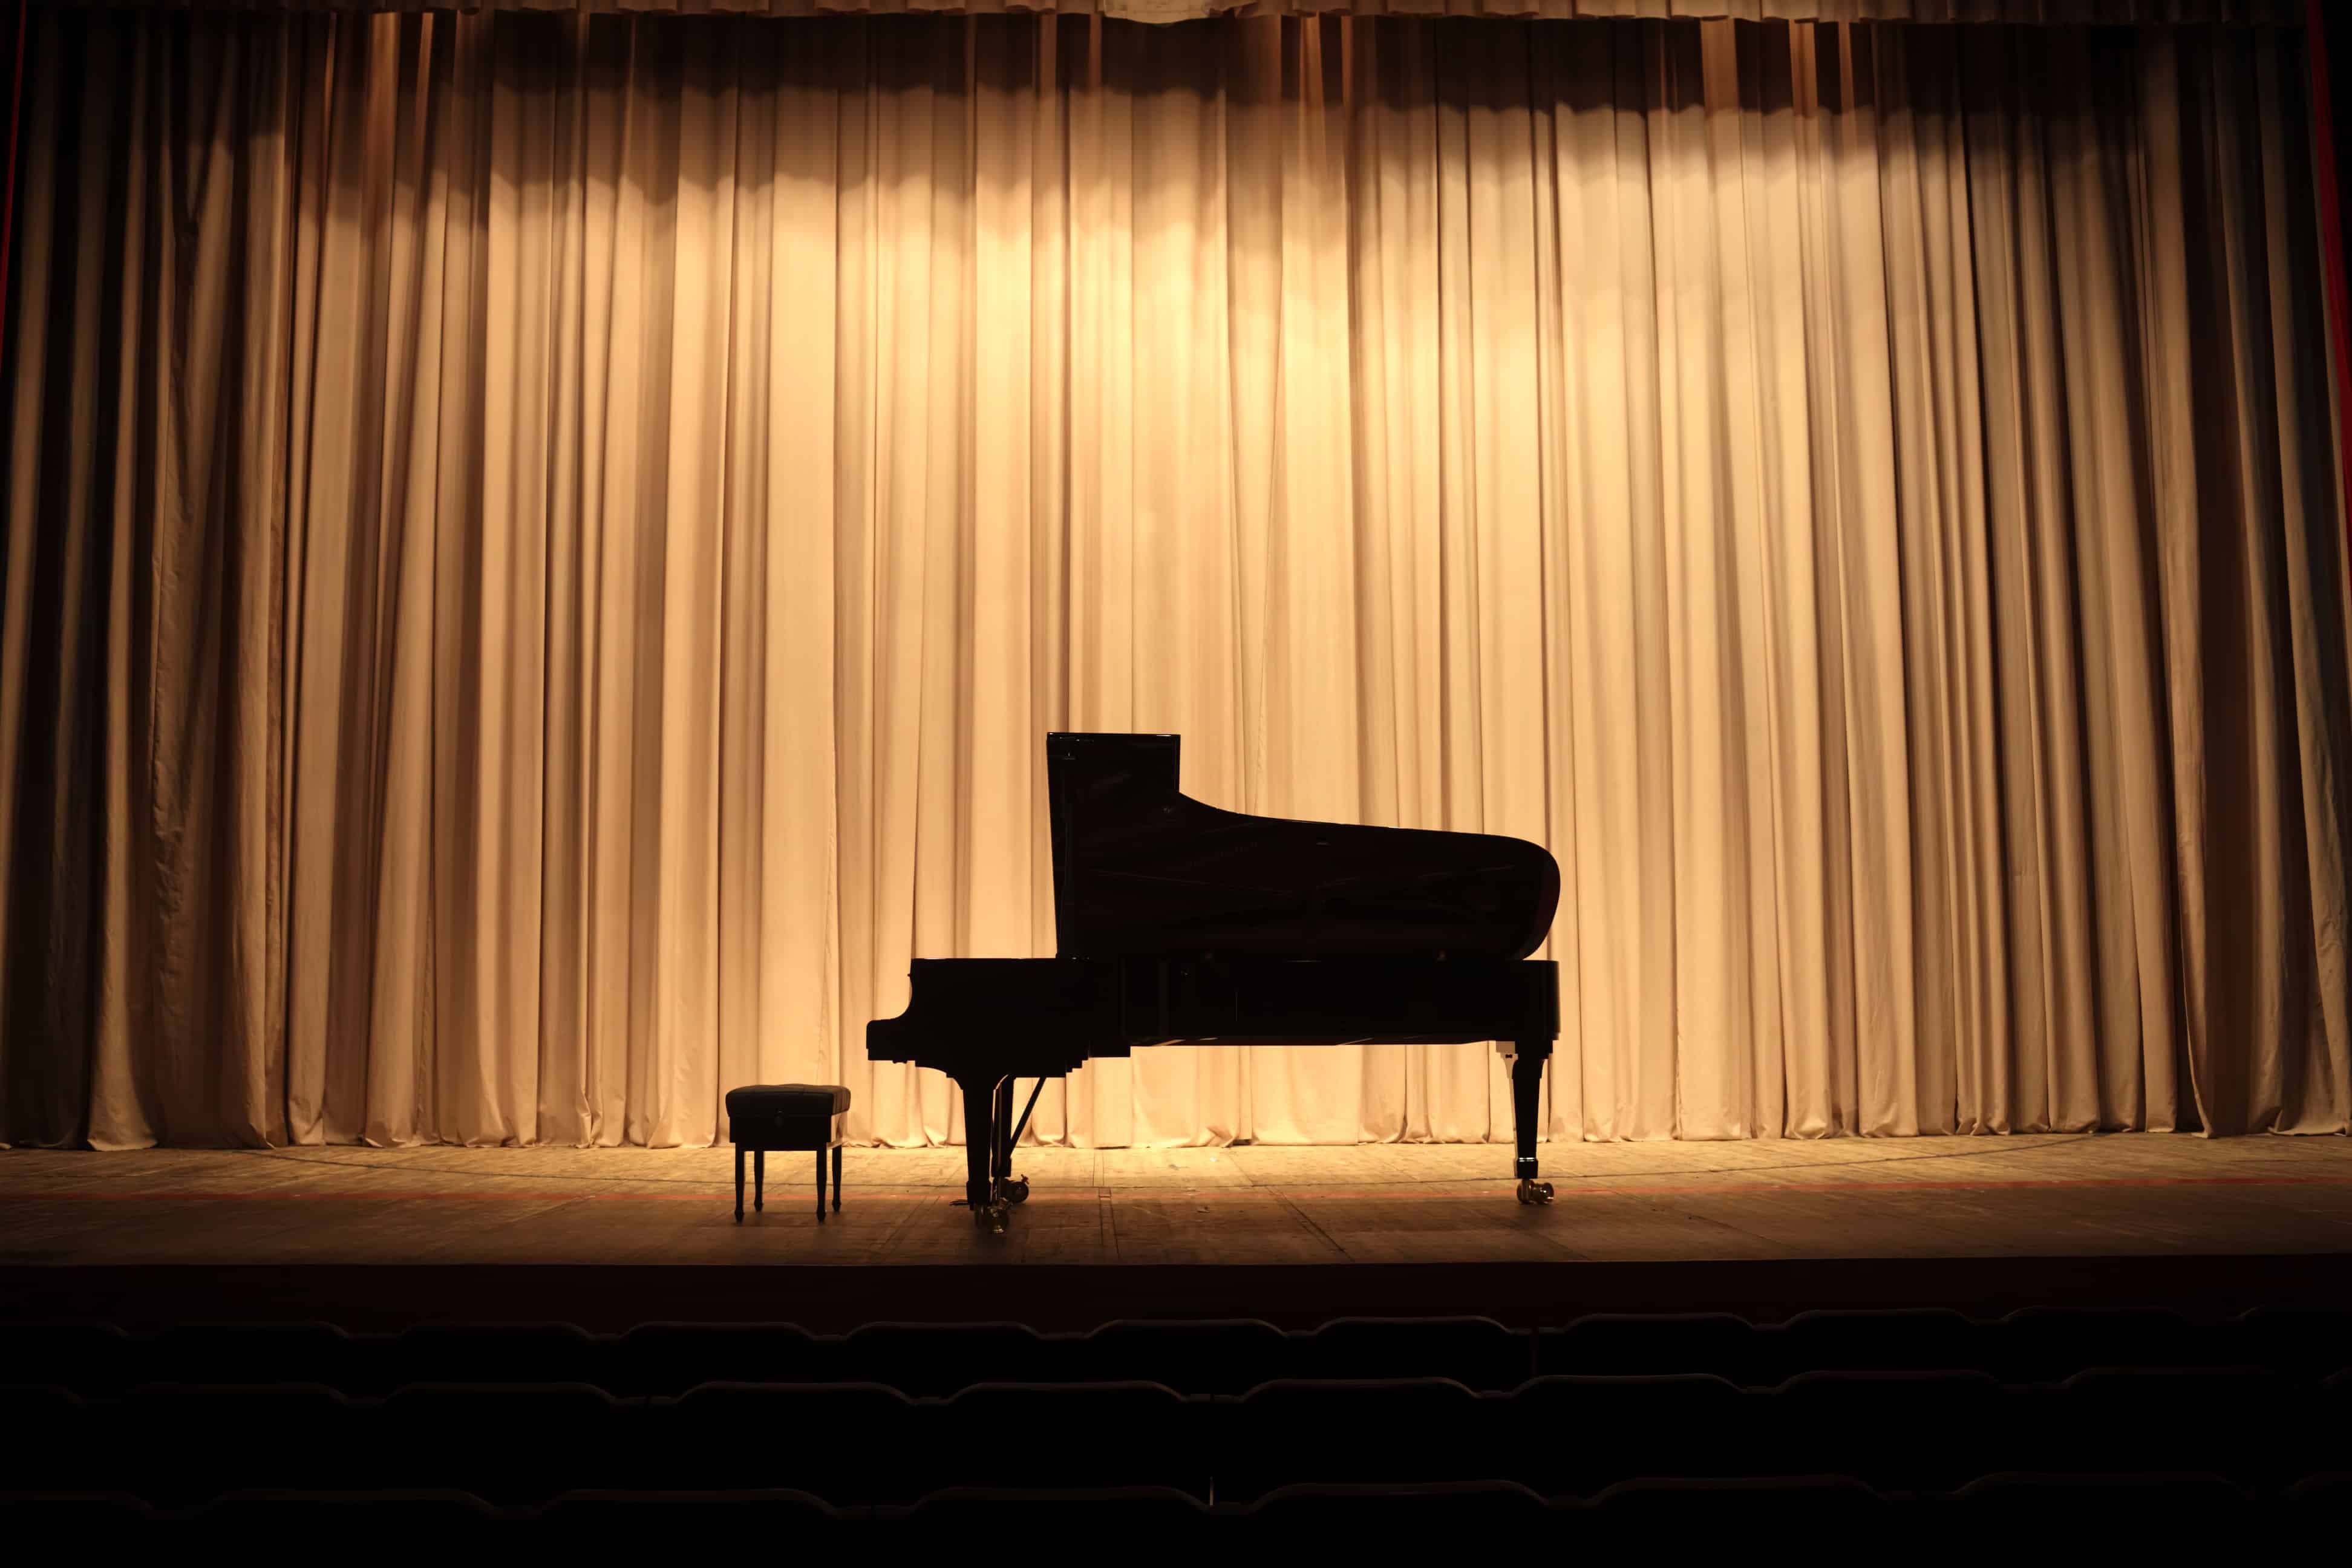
(1140, 867)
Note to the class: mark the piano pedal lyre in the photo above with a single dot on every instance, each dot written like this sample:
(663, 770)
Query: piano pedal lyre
(1006, 1189)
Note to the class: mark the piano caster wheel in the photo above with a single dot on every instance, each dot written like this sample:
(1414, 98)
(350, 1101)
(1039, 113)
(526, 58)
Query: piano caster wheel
(1016, 1189)
(991, 1218)
(1535, 1192)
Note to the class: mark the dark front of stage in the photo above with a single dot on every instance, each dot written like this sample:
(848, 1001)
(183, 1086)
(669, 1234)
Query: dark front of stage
(377, 1239)
(1051, 1298)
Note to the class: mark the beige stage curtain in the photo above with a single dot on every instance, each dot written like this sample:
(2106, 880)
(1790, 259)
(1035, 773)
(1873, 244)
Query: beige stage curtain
(2071, 13)
(540, 551)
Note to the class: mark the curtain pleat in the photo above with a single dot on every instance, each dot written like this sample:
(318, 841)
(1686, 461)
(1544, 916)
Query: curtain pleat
(540, 550)
(2078, 13)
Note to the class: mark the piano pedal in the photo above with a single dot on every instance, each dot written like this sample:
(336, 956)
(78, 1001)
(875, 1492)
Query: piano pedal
(1532, 1191)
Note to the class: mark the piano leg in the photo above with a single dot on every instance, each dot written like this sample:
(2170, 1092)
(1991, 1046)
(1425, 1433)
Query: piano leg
(979, 1150)
(1527, 1061)
(1001, 1120)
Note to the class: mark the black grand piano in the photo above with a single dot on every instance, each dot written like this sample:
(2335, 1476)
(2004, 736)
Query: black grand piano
(1178, 923)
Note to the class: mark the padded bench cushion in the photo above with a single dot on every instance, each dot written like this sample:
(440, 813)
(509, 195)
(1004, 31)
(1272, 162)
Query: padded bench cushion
(760, 1101)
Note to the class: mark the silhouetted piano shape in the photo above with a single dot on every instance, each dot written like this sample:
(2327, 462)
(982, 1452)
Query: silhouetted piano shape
(1178, 923)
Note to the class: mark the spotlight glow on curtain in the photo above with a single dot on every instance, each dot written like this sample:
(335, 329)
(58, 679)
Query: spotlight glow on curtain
(541, 550)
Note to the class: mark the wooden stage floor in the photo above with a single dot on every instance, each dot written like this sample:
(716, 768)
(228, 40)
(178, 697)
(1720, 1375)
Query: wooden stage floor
(373, 1237)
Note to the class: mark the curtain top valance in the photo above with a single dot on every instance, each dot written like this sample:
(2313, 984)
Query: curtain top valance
(2061, 12)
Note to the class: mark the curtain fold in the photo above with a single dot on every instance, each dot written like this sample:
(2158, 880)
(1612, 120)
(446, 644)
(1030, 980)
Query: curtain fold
(2071, 13)
(540, 550)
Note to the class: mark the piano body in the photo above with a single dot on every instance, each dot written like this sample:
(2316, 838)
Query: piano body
(1179, 923)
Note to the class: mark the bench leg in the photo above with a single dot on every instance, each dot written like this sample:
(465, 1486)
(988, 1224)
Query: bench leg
(820, 1186)
(739, 1183)
(836, 1178)
(759, 1180)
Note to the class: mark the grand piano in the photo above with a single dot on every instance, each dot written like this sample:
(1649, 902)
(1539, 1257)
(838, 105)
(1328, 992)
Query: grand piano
(1179, 923)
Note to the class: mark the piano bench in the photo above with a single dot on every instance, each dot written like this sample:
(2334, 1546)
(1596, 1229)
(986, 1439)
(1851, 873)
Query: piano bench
(784, 1116)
